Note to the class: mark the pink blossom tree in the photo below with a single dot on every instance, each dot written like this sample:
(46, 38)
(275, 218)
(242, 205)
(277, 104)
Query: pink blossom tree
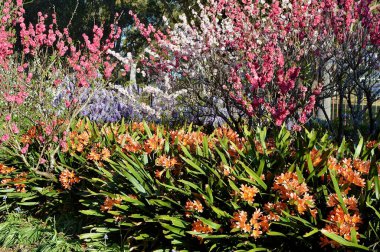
(352, 71)
(267, 57)
(31, 78)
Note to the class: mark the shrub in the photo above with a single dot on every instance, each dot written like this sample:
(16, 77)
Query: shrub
(33, 76)
(150, 187)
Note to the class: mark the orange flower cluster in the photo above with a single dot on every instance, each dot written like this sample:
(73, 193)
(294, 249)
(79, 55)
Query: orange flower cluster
(109, 203)
(193, 206)
(68, 178)
(5, 170)
(350, 203)
(152, 126)
(19, 182)
(191, 139)
(349, 171)
(154, 144)
(258, 146)
(5, 181)
(128, 144)
(256, 225)
(226, 170)
(132, 196)
(97, 153)
(362, 166)
(248, 193)
(316, 157)
(233, 137)
(79, 138)
(200, 227)
(341, 223)
(78, 141)
(138, 126)
(167, 162)
(29, 136)
(294, 193)
(274, 210)
(40, 129)
(82, 124)
(371, 144)
(111, 130)
(270, 146)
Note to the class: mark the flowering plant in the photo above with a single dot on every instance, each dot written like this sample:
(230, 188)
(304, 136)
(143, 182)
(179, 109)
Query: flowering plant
(35, 61)
(227, 191)
(254, 59)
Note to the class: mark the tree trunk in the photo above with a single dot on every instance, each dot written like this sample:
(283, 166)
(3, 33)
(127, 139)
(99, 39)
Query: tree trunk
(132, 80)
(340, 115)
(327, 117)
(354, 116)
(370, 113)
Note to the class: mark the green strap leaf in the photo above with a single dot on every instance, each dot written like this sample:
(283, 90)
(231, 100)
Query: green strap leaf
(91, 212)
(261, 167)
(343, 241)
(312, 232)
(205, 147)
(342, 147)
(210, 223)
(147, 130)
(359, 147)
(374, 209)
(337, 191)
(220, 212)
(254, 176)
(273, 233)
(175, 230)
(192, 185)
(194, 165)
(207, 236)
(233, 186)
(175, 188)
(305, 222)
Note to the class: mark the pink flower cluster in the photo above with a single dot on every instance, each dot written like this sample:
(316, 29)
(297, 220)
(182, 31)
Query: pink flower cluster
(46, 57)
(264, 46)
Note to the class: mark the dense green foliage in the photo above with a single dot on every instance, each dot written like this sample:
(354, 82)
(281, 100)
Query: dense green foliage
(151, 188)
(21, 233)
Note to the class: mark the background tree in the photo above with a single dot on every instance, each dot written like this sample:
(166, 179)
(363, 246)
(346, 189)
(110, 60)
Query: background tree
(81, 15)
(353, 66)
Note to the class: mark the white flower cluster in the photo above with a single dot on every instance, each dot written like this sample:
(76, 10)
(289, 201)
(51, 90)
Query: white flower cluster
(149, 102)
